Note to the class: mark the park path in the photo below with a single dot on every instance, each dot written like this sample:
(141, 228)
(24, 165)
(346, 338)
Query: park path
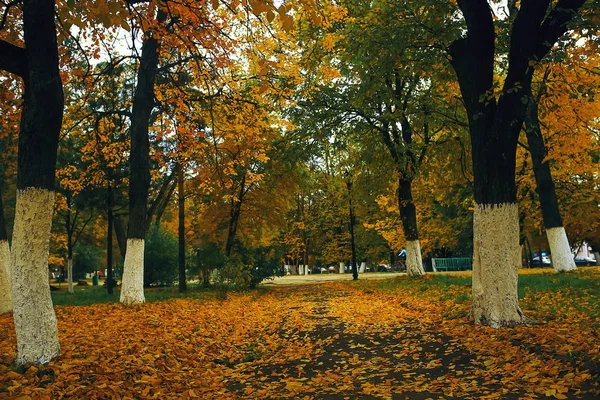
(365, 351)
(294, 280)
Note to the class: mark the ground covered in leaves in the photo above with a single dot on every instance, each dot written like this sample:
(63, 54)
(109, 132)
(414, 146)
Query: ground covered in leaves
(405, 338)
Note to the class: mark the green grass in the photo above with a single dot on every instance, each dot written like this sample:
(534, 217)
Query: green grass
(87, 295)
(551, 295)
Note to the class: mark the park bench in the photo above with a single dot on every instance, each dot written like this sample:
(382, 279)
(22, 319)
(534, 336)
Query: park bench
(451, 264)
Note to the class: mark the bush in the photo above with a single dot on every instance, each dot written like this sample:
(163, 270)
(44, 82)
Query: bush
(86, 259)
(208, 257)
(160, 258)
(251, 267)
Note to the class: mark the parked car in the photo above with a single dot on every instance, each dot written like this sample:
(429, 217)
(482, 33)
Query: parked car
(535, 260)
(585, 261)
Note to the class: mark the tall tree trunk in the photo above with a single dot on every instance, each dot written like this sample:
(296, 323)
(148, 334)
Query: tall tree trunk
(41, 120)
(351, 226)
(69, 246)
(408, 215)
(162, 198)
(5, 290)
(132, 288)
(109, 241)
(181, 201)
(164, 203)
(234, 217)
(562, 258)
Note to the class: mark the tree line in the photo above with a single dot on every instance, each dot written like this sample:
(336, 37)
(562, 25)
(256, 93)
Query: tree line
(306, 133)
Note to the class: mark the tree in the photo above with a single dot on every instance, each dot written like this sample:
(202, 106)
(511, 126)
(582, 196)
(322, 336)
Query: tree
(495, 123)
(132, 291)
(41, 119)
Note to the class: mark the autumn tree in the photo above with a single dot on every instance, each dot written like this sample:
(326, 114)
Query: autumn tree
(495, 120)
(565, 146)
(37, 65)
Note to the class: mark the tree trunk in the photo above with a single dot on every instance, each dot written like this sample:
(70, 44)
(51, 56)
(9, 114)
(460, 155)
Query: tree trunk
(109, 243)
(496, 260)
(120, 234)
(132, 287)
(69, 247)
(181, 201)
(164, 203)
(562, 258)
(234, 217)
(5, 290)
(41, 120)
(70, 276)
(408, 215)
(351, 226)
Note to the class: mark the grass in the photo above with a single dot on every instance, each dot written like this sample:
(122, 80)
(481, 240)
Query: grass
(88, 295)
(540, 290)
(548, 294)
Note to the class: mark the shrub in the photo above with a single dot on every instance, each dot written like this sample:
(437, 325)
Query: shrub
(207, 258)
(160, 258)
(252, 266)
(86, 259)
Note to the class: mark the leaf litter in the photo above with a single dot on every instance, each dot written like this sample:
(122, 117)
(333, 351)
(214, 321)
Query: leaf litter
(335, 340)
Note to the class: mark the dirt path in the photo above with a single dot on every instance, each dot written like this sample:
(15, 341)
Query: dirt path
(405, 357)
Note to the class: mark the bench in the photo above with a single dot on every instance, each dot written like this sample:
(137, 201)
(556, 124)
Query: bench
(451, 264)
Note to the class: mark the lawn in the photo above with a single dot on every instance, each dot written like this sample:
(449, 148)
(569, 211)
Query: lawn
(400, 338)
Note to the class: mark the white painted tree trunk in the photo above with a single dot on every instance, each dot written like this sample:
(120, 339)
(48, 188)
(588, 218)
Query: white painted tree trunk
(35, 320)
(414, 262)
(342, 267)
(70, 275)
(132, 284)
(363, 267)
(496, 260)
(300, 269)
(5, 290)
(562, 258)
(306, 270)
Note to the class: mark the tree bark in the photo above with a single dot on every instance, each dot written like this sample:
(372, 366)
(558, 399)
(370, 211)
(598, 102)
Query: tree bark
(69, 229)
(181, 201)
(351, 227)
(132, 288)
(408, 215)
(562, 258)
(162, 197)
(120, 234)
(5, 289)
(41, 120)
(234, 217)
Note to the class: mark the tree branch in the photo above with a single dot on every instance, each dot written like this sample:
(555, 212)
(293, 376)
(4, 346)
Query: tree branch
(13, 59)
